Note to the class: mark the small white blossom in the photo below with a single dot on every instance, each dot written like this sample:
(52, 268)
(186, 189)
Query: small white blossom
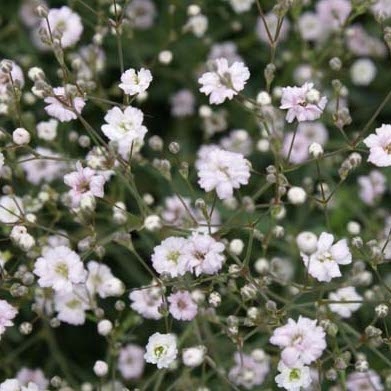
(161, 350)
(133, 82)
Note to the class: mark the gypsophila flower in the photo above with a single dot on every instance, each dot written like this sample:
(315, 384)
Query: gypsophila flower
(62, 106)
(168, 258)
(324, 263)
(296, 101)
(372, 187)
(7, 314)
(247, 371)
(363, 72)
(146, 301)
(65, 25)
(26, 376)
(131, 361)
(225, 82)
(161, 350)
(60, 268)
(133, 82)
(182, 306)
(203, 254)
(84, 182)
(194, 356)
(126, 128)
(345, 296)
(47, 130)
(379, 145)
(223, 171)
(301, 342)
(71, 305)
(293, 378)
(369, 380)
(11, 209)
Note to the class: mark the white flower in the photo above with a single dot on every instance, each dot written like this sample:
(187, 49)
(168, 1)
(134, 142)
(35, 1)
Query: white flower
(223, 171)
(126, 128)
(7, 313)
(307, 242)
(101, 368)
(62, 106)
(161, 350)
(100, 280)
(324, 263)
(152, 223)
(344, 296)
(203, 254)
(11, 209)
(293, 378)
(379, 145)
(59, 269)
(65, 25)
(194, 356)
(362, 72)
(104, 327)
(302, 341)
(71, 306)
(197, 24)
(168, 257)
(297, 195)
(240, 6)
(134, 82)
(21, 136)
(146, 301)
(225, 82)
(310, 27)
(10, 385)
(47, 130)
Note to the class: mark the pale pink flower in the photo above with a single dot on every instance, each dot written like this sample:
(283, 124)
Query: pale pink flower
(133, 82)
(366, 381)
(26, 375)
(146, 301)
(7, 314)
(249, 372)
(182, 103)
(344, 295)
(302, 341)
(298, 102)
(223, 171)
(225, 81)
(182, 306)
(324, 263)
(372, 187)
(42, 169)
(65, 25)
(168, 257)
(131, 361)
(379, 145)
(84, 182)
(63, 107)
(204, 254)
(141, 13)
(333, 13)
(59, 269)
(382, 7)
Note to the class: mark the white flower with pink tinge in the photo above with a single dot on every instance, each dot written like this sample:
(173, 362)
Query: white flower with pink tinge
(182, 306)
(204, 254)
(379, 145)
(223, 171)
(303, 103)
(324, 263)
(301, 342)
(7, 313)
(131, 361)
(63, 107)
(225, 81)
(84, 182)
